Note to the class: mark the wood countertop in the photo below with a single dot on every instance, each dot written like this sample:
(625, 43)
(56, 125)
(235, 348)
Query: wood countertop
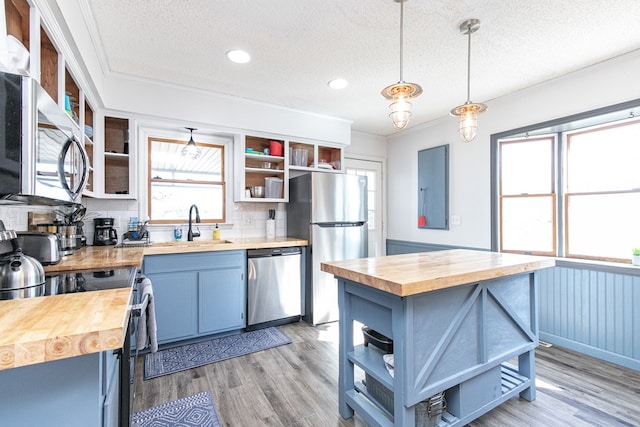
(415, 273)
(222, 245)
(91, 257)
(43, 329)
(99, 256)
(35, 330)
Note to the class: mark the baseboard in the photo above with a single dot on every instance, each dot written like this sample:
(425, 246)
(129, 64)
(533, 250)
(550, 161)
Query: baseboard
(598, 353)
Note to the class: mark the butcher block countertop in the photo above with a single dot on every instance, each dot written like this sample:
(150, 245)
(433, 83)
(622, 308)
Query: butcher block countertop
(43, 329)
(415, 273)
(99, 256)
(222, 245)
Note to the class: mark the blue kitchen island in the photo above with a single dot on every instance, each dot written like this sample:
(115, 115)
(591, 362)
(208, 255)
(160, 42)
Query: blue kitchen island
(463, 323)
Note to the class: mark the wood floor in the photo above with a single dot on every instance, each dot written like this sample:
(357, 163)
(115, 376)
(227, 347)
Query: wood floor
(296, 385)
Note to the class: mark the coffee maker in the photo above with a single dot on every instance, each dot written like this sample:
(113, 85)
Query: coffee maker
(105, 234)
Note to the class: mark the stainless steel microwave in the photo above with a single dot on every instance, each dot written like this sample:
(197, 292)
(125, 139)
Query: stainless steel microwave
(42, 158)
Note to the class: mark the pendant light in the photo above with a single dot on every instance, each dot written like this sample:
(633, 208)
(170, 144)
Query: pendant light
(191, 149)
(401, 92)
(468, 112)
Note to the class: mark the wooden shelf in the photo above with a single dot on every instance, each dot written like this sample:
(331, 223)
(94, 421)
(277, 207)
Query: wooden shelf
(264, 171)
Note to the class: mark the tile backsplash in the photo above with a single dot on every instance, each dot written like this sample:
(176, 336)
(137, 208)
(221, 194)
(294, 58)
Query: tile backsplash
(244, 220)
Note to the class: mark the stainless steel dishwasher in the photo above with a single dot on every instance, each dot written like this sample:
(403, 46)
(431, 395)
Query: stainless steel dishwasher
(273, 286)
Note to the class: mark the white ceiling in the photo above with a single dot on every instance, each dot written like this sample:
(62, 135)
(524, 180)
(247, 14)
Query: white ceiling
(298, 46)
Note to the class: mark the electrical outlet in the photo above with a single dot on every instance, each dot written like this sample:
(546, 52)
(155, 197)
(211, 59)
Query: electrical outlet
(455, 219)
(248, 220)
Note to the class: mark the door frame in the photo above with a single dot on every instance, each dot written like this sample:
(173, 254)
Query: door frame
(383, 192)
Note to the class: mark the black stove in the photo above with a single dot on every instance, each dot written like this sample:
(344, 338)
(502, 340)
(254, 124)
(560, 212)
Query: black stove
(75, 281)
(88, 280)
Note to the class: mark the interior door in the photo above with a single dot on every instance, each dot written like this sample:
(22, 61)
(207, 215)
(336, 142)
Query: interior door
(375, 219)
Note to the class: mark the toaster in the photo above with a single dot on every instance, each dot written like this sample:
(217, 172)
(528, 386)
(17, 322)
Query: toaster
(45, 247)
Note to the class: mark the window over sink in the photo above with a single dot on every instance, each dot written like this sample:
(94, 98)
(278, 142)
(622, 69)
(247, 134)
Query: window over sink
(176, 182)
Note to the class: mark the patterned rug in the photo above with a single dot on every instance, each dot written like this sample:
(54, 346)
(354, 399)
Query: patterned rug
(189, 356)
(193, 411)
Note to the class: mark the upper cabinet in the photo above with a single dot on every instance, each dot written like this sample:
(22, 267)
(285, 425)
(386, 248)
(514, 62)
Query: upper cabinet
(268, 162)
(106, 139)
(314, 156)
(117, 177)
(262, 167)
(86, 120)
(49, 59)
(17, 13)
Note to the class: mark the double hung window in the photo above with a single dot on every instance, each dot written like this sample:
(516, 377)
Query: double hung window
(177, 182)
(574, 192)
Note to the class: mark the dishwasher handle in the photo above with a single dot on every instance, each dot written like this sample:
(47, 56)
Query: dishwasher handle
(268, 252)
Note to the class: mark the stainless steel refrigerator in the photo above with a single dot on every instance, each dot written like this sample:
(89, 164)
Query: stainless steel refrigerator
(330, 211)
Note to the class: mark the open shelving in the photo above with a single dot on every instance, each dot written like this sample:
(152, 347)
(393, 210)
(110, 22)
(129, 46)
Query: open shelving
(258, 167)
(17, 20)
(116, 156)
(319, 157)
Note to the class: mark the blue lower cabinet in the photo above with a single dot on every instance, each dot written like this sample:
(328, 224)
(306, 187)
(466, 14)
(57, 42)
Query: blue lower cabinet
(80, 391)
(197, 294)
(111, 408)
(175, 298)
(221, 300)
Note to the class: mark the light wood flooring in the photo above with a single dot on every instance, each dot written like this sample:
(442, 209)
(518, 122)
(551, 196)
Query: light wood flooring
(296, 385)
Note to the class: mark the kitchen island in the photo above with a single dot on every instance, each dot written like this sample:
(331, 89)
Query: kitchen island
(456, 317)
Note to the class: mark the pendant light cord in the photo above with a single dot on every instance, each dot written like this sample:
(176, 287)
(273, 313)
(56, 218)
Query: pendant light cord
(401, 36)
(469, 65)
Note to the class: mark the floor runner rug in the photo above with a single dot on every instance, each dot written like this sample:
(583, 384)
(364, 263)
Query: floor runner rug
(193, 411)
(189, 356)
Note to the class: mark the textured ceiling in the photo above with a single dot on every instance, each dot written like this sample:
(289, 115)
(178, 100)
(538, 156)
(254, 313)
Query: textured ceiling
(298, 46)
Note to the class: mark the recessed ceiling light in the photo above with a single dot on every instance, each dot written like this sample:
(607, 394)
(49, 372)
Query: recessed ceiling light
(338, 83)
(238, 56)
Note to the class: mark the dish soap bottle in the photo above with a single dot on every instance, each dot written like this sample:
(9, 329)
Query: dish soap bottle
(216, 233)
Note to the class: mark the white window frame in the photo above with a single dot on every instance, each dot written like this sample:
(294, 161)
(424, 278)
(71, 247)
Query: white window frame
(153, 129)
(561, 127)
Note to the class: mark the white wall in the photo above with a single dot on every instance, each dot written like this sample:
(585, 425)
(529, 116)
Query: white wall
(367, 146)
(598, 86)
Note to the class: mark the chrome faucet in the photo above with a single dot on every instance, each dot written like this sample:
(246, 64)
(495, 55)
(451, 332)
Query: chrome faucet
(190, 233)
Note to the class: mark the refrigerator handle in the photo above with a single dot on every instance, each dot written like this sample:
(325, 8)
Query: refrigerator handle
(340, 224)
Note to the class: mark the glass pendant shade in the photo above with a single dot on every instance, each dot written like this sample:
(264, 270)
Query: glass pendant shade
(191, 150)
(468, 121)
(400, 93)
(400, 113)
(468, 112)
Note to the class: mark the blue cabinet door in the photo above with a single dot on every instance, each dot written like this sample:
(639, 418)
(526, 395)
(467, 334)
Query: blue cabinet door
(111, 408)
(222, 300)
(66, 392)
(175, 298)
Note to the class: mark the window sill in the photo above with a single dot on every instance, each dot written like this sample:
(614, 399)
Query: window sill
(604, 266)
